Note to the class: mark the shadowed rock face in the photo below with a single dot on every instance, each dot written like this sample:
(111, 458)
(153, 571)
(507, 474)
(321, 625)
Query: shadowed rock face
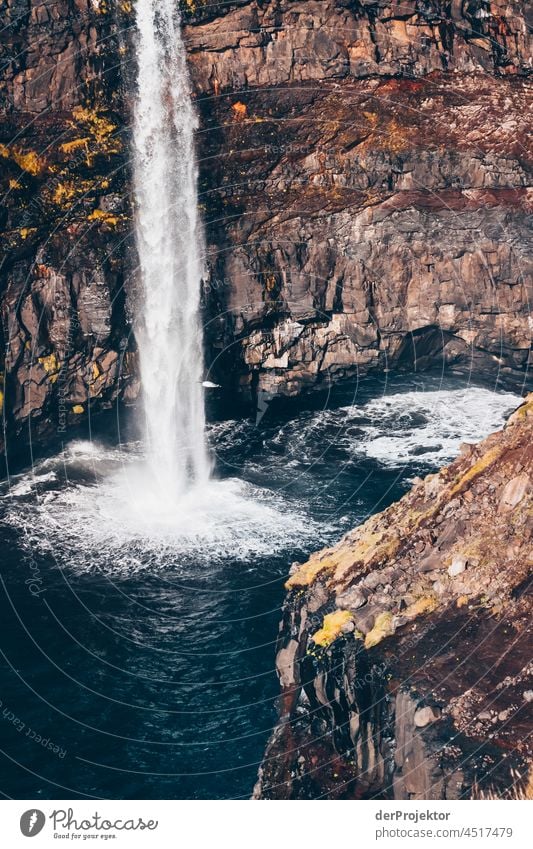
(365, 184)
(404, 651)
(65, 221)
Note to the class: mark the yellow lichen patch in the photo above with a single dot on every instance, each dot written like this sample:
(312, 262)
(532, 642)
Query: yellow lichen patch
(29, 161)
(69, 147)
(372, 548)
(307, 573)
(100, 126)
(104, 217)
(393, 137)
(14, 184)
(78, 409)
(462, 600)
(239, 111)
(388, 135)
(96, 371)
(383, 627)
(372, 119)
(50, 364)
(483, 463)
(101, 138)
(422, 605)
(331, 627)
(63, 192)
(24, 232)
(70, 190)
(525, 410)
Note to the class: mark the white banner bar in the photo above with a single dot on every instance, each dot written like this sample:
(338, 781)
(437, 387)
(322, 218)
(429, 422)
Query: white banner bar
(241, 825)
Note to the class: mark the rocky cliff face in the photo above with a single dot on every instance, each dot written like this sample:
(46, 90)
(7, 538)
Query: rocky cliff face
(365, 186)
(369, 213)
(403, 651)
(66, 217)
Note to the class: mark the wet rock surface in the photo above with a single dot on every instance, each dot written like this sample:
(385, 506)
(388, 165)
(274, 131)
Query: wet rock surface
(428, 697)
(365, 205)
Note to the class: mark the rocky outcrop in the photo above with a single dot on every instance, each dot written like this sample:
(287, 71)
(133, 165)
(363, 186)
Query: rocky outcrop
(404, 650)
(366, 207)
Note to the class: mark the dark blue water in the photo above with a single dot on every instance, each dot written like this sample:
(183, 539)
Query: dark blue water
(135, 666)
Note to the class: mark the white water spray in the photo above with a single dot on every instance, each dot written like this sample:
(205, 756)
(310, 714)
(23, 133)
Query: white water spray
(169, 245)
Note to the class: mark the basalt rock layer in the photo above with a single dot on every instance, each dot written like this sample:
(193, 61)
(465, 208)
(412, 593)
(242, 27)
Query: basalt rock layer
(364, 181)
(404, 651)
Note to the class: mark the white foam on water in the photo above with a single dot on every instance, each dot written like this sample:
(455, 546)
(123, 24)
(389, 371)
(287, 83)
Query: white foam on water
(429, 426)
(120, 524)
(96, 508)
(28, 484)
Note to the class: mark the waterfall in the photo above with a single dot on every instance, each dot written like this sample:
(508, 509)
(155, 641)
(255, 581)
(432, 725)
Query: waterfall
(169, 244)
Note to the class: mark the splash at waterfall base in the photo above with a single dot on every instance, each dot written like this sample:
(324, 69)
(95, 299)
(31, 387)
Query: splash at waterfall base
(132, 517)
(263, 496)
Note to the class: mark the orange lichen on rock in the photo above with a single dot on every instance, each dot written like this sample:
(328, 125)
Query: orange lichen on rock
(102, 135)
(104, 217)
(75, 144)
(28, 161)
(239, 111)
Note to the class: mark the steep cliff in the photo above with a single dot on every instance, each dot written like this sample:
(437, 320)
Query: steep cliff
(404, 651)
(372, 206)
(65, 217)
(365, 186)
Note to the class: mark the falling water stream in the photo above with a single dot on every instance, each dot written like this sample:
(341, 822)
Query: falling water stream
(169, 244)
